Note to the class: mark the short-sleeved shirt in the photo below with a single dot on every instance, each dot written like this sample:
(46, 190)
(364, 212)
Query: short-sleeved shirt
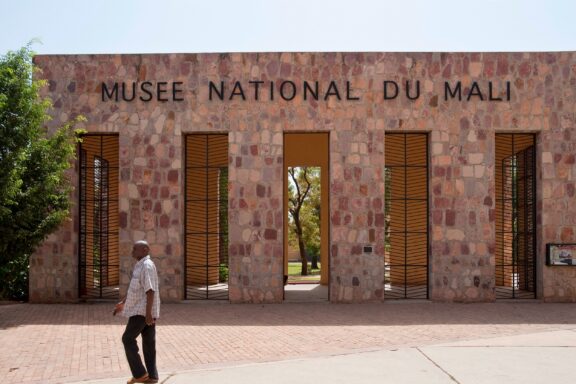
(144, 278)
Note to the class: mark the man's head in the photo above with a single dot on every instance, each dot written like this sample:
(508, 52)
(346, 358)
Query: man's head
(140, 249)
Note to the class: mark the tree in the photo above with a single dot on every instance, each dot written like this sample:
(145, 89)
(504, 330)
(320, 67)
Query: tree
(34, 190)
(304, 209)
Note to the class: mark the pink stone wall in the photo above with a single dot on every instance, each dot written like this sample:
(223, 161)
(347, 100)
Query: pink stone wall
(558, 201)
(462, 200)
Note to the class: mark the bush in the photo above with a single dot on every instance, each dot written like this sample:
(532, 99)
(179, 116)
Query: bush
(14, 277)
(223, 273)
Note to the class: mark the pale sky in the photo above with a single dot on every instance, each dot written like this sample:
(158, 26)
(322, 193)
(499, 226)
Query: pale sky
(164, 26)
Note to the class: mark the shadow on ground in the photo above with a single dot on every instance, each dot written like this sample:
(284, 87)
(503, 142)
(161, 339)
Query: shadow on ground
(319, 314)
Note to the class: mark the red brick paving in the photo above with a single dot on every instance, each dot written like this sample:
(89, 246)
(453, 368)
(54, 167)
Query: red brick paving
(64, 343)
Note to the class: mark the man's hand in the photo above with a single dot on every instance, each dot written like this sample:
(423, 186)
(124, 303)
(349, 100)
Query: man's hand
(149, 302)
(118, 308)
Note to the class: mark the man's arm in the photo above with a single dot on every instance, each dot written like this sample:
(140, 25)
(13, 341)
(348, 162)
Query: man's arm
(149, 303)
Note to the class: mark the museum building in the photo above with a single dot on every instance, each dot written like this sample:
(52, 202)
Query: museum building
(442, 176)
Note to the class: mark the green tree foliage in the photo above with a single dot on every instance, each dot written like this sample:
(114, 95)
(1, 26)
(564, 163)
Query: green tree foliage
(304, 210)
(34, 191)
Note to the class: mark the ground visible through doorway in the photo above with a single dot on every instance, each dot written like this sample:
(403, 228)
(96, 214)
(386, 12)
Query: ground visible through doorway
(299, 293)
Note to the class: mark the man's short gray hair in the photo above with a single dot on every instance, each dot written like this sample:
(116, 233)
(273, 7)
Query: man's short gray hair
(142, 242)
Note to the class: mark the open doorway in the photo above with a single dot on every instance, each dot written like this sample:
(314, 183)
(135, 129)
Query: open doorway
(304, 225)
(306, 261)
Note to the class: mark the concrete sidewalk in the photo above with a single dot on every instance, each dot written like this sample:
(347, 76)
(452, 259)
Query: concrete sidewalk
(546, 357)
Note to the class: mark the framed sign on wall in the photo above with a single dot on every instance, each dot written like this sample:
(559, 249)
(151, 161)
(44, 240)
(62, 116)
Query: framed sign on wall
(561, 254)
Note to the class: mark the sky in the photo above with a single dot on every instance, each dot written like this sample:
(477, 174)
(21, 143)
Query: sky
(194, 26)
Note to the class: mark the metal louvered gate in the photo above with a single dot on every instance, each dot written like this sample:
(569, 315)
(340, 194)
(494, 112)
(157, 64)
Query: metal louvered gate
(99, 218)
(206, 204)
(515, 216)
(406, 216)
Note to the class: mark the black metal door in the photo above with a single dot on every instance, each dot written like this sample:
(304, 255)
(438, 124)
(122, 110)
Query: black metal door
(206, 217)
(99, 220)
(406, 210)
(515, 216)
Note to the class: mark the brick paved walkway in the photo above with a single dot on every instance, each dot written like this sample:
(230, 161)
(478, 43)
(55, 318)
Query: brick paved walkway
(64, 343)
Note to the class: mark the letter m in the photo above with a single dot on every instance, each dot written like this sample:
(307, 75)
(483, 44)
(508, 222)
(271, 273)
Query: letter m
(452, 94)
(109, 94)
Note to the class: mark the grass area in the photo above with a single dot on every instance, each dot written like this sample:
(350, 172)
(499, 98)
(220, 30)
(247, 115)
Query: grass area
(295, 269)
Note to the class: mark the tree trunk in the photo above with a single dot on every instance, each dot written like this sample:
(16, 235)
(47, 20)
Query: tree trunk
(303, 256)
(315, 262)
(301, 246)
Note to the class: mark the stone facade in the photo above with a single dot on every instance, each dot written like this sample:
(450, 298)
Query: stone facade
(542, 100)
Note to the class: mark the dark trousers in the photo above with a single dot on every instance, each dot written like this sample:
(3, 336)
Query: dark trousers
(137, 326)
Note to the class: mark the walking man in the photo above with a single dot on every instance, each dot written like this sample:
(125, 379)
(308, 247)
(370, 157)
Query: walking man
(142, 307)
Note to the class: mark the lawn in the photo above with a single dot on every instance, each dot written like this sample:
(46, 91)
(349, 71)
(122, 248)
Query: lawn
(295, 269)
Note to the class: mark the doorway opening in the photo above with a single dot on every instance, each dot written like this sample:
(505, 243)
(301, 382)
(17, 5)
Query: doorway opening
(206, 217)
(406, 216)
(515, 216)
(306, 228)
(304, 190)
(99, 264)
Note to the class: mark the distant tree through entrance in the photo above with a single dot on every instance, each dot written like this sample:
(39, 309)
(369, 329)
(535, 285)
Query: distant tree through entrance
(304, 214)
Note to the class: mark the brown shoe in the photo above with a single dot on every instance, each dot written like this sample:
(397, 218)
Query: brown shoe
(142, 379)
(151, 380)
